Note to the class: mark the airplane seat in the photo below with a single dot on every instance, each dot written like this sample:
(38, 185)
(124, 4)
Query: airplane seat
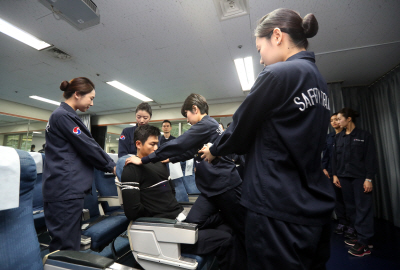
(38, 212)
(108, 192)
(189, 180)
(155, 242)
(19, 246)
(102, 229)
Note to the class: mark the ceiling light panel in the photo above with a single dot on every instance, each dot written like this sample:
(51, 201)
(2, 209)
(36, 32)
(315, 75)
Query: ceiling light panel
(14, 32)
(244, 68)
(129, 91)
(46, 100)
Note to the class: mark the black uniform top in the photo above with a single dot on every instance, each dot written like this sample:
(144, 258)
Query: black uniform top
(281, 126)
(327, 152)
(354, 155)
(211, 179)
(146, 198)
(126, 143)
(71, 153)
(164, 140)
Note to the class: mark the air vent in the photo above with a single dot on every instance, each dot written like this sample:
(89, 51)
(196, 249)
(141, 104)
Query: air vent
(90, 4)
(228, 9)
(57, 53)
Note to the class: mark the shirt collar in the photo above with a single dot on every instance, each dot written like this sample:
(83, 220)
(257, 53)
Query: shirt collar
(303, 55)
(67, 108)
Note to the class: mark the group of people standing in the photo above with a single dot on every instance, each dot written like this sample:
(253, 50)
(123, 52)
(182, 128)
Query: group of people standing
(349, 160)
(281, 210)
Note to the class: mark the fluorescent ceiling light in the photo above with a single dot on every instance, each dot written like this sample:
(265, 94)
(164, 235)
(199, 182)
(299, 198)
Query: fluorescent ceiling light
(133, 124)
(37, 132)
(46, 100)
(244, 68)
(129, 90)
(24, 37)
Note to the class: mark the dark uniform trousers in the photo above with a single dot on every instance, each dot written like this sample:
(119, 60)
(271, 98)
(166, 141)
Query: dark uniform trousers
(358, 207)
(275, 245)
(204, 212)
(340, 208)
(63, 221)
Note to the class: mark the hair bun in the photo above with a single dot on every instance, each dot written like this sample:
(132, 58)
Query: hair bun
(310, 25)
(64, 85)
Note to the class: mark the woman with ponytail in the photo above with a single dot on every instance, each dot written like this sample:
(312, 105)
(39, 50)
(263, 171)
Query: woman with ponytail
(71, 155)
(281, 127)
(353, 169)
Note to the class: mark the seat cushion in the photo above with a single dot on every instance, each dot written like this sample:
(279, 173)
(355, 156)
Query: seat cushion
(104, 232)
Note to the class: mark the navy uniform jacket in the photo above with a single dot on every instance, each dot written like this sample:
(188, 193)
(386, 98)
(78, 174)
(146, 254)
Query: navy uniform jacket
(327, 152)
(354, 155)
(71, 153)
(211, 179)
(126, 143)
(164, 140)
(281, 125)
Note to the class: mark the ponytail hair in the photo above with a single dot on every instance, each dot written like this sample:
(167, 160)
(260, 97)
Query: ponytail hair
(348, 112)
(290, 22)
(81, 85)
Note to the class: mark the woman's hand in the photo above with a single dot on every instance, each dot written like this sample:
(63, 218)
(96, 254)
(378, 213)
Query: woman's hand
(115, 170)
(367, 186)
(326, 173)
(134, 160)
(165, 161)
(206, 154)
(336, 181)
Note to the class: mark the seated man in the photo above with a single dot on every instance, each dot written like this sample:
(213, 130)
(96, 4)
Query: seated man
(147, 192)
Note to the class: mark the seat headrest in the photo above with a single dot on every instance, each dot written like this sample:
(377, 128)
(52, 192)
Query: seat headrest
(175, 170)
(10, 169)
(38, 158)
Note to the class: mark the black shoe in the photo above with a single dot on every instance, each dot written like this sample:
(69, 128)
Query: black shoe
(339, 229)
(359, 250)
(350, 233)
(352, 242)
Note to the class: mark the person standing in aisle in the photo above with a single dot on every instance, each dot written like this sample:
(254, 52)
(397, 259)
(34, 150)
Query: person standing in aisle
(71, 155)
(340, 209)
(281, 127)
(166, 128)
(353, 169)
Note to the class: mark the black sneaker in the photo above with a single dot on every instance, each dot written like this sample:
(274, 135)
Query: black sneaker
(359, 250)
(350, 233)
(339, 229)
(352, 242)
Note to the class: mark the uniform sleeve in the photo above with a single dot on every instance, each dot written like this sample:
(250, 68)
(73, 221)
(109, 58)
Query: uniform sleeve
(123, 145)
(265, 97)
(191, 139)
(133, 207)
(185, 156)
(84, 144)
(325, 155)
(370, 158)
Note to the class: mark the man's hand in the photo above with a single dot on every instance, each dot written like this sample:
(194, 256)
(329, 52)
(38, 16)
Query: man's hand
(206, 154)
(326, 173)
(336, 181)
(165, 161)
(134, 160)
(367, 186)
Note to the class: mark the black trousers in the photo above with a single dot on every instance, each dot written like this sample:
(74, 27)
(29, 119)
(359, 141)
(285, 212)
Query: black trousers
(63, 221)
(275, 245)
(340, 208)
(359, 207)
(205, 212)
(221, 243)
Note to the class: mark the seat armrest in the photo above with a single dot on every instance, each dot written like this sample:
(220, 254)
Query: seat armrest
(168, 230)
(79, 258)
(111, 200)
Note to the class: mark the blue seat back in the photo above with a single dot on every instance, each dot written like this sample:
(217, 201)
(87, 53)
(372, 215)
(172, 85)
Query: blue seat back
(189, 180)
(105, 184)
(19, 246)
(91, 203)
